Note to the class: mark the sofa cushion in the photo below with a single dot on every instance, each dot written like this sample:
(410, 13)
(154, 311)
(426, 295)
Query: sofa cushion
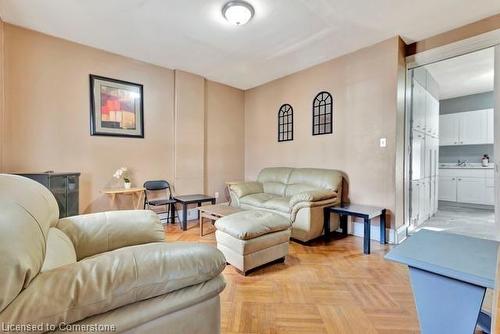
(306, 179)
(312, 196)
(274, 179)
(251, 224)
(257, 200)
(246, 188)
(106, 281)
(281, 204)
(60, 250)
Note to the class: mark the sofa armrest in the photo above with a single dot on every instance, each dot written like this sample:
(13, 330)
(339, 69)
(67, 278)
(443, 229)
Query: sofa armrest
(246, 188)
(105, 231)
(312, 196)
(121, 277)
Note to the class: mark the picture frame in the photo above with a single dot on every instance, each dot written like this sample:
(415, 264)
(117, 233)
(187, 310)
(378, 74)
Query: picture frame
(116, 107)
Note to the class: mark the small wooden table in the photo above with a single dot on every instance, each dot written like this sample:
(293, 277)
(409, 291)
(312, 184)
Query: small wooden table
(362, 211)
(136, 192)
(449, 276)
(214, 212)
(185, 200)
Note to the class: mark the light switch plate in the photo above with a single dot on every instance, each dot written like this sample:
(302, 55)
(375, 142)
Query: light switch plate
(383, 142)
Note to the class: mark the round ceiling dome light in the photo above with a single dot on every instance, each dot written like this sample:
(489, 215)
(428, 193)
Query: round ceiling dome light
(238, 12)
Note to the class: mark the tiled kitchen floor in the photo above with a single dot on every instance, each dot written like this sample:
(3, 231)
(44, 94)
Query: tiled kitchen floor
(478, 223)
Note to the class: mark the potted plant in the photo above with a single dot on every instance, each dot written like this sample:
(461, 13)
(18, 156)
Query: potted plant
(121, 173)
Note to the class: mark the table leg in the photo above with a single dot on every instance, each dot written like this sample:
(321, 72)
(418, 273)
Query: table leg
(139, 197)
(213, 201)
(172, 213)
(326, 224)
(383, 227)
(184, 216)
(199, 204)
(201, 224)
(366, 239)
(343, 224)
(445, 305)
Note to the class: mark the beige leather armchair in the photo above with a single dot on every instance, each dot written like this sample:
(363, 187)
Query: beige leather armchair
(297, 193)
(99, 272)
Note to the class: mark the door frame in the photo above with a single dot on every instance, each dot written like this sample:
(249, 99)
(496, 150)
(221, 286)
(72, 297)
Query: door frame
(459, 48)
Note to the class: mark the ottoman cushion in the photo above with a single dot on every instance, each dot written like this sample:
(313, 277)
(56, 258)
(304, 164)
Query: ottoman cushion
(251, 224)
(245, 247)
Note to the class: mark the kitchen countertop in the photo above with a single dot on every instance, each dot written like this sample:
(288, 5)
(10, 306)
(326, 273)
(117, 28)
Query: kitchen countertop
(466, 166)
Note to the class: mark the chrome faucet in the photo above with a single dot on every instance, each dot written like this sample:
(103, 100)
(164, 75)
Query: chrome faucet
(462, 163)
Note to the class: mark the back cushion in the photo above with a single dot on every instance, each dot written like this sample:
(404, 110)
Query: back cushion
(307, 179)
(22, 246)
(274, 179)
(28, 210)
(59, 250)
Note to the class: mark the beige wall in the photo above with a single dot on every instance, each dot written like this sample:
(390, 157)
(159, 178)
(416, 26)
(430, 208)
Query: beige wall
(224, 135)
(47, 118)
(364, 87)
(189, 132)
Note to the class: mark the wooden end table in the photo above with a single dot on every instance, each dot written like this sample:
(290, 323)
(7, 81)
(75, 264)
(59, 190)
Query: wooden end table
(136, 192)
(185, 200)
(214, 212)
(362, 211)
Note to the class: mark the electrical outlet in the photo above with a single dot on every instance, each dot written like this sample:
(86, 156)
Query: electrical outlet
(383, 142)
(216, 195)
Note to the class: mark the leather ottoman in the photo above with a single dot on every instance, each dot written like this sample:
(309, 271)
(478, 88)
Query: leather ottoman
(253, 238)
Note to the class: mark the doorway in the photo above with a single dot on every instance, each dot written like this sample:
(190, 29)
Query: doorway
(451, 143)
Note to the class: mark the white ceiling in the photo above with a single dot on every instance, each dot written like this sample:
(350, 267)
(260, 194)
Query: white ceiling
(284, 36)
(469, 74)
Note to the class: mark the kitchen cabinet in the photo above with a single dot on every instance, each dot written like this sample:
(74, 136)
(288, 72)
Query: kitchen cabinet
(424, 201)
(418, 107)
(415, 202)
(431, 156)
(471, 190)
(470, 186)
(447, 188)
(434, 195)
(418, 154)
(466, 128)
(431, 115)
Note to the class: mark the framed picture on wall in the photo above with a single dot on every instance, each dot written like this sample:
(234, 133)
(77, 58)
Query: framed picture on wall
(116, 108)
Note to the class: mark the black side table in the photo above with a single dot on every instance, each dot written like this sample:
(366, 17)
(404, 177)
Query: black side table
(362, 211)
(185, 200)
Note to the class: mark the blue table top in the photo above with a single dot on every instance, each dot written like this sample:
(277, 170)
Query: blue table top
(464, 258)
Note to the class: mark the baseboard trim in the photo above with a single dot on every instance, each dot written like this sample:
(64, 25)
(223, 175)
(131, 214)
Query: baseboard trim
(358, 229)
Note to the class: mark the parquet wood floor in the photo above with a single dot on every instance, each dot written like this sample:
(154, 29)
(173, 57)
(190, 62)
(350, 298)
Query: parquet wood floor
(321, 288)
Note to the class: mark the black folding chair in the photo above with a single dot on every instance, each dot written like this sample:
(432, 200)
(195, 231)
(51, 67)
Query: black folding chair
(156, 186)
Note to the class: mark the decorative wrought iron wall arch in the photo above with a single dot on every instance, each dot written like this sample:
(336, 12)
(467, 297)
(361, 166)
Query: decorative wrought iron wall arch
(285, 123)
(322, 114)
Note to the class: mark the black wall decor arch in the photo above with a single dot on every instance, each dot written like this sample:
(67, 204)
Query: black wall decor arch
(285, 123)
(322, 114)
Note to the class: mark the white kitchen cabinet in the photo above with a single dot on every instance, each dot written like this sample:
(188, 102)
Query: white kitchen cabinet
(434, 195)
(418, 107)
(424, 200)
(471, 190)
(447, 188)
(431, 115)
(473, 127)
(418, 156)
(466, 128)
(431, 159)
(415, 202)
(449, 129)
(490, 126)
(467, 185)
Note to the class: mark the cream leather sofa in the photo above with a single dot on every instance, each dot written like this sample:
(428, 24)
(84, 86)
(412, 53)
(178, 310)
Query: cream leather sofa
(99, 272)
(297, 193)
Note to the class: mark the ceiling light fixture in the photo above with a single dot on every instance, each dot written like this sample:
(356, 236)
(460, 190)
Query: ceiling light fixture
(238, 12)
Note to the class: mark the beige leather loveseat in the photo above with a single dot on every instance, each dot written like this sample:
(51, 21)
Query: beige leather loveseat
(297, 193)
(104, 272)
